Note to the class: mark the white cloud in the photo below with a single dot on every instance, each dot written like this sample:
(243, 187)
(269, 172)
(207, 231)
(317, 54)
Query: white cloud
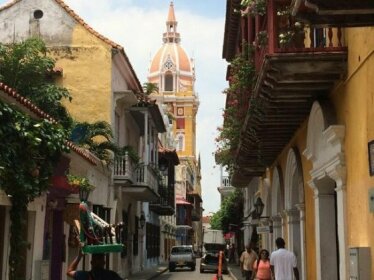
(140, 30)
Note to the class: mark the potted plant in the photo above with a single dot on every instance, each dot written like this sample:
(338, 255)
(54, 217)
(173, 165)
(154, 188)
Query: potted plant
(81, 185)
(130, 151)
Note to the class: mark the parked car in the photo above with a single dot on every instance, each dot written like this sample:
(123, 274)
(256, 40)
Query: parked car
(210, 259)
(182, 256)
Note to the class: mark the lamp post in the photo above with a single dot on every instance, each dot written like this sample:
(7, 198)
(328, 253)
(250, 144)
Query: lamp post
(259, 207)
(83, 194)
(141, 221)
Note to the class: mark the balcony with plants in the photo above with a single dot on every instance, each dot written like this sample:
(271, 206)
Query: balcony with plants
(336, 13)
(294, 64)
(137, 179)
(125, 164)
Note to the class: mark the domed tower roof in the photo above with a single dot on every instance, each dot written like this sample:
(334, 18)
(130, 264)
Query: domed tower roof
(171, 59)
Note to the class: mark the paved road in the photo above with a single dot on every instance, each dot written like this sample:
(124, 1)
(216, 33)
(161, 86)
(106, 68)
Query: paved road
(187, 274)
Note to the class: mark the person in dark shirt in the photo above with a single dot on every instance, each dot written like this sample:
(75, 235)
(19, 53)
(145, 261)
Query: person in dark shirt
(97, 272)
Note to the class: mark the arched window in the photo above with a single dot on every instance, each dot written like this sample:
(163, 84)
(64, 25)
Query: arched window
(180, 142)
(168, 81)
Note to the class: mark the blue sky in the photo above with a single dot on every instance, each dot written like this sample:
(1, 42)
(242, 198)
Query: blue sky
(138, 26)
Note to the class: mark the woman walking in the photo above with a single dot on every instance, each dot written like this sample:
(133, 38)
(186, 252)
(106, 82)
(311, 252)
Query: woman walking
(261, 267)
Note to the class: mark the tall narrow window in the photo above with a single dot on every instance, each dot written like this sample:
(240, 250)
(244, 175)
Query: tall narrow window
(168, 82)
(180, 139)
(180, 123)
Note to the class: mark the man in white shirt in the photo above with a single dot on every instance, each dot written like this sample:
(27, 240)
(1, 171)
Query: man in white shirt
(283, 263)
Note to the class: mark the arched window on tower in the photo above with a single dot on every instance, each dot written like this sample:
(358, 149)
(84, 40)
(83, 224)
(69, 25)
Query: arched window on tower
(168, 81)
(180, 142)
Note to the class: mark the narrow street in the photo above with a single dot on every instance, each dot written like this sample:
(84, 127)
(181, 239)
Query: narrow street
(186, 273)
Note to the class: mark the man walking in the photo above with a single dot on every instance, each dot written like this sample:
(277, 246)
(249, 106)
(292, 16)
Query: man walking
(96, 273)
(283, 263)
(247, 258)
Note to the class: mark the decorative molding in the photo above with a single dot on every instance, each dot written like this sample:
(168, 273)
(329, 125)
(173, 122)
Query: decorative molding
(325, 149)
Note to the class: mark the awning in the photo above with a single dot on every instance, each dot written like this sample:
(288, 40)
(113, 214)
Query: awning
(181, 200)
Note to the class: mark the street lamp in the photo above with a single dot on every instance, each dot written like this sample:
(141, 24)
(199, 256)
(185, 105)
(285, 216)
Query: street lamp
(83, 194)
(259, 207)
(142, 221)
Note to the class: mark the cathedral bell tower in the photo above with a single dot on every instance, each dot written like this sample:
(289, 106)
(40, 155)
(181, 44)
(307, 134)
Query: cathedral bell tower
(173, 72)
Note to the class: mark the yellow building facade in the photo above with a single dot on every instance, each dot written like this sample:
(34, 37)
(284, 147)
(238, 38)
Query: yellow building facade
(351, 103)
(317, 188)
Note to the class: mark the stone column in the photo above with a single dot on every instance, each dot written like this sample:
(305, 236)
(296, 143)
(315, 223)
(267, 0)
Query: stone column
(277, 227)
(301, 208)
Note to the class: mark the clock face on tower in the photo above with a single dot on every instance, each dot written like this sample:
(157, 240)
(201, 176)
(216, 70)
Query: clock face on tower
(180, 111)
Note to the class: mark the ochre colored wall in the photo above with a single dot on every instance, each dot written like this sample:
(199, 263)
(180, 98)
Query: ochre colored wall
(299, 142)
(87, 72)
(354, 103)
(190, 124)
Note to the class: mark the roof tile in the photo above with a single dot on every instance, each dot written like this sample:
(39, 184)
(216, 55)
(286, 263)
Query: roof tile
(40, 113)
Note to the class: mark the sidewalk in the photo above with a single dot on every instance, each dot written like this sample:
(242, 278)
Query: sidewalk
(149, 273)
(234, 271)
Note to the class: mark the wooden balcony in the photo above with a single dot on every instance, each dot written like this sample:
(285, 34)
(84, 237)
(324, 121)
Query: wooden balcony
(295, 65)
(337, 13)
(165, 204)
(138, 181)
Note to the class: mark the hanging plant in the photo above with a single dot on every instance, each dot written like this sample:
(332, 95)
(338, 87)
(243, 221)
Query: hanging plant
(291, 33)
(79, 183)
(253, 7)
(242, 77)
(130, 151)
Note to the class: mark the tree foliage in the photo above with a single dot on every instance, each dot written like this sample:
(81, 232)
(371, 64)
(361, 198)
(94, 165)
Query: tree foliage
(29, 148)
(231, 212)
(26, 68)
(95, 137)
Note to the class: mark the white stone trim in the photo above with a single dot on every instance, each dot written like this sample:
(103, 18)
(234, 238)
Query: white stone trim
(276, 193)
(301, 208)
(325, 149)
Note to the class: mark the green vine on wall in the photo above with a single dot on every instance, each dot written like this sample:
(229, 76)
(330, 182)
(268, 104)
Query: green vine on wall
(28, 151)
(241, 81)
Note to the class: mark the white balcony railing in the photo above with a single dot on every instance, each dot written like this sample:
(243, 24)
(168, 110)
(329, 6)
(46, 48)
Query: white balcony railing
(226, 182)
(146, 175)
(124, 168)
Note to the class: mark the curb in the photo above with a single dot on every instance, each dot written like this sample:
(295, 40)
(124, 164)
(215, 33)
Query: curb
(158, 273)
(231, 274)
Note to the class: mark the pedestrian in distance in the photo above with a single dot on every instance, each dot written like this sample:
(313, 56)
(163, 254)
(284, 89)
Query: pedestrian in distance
(97, 272)
(261, 267)
(283, 263)
(247, 259)
(232, 253)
